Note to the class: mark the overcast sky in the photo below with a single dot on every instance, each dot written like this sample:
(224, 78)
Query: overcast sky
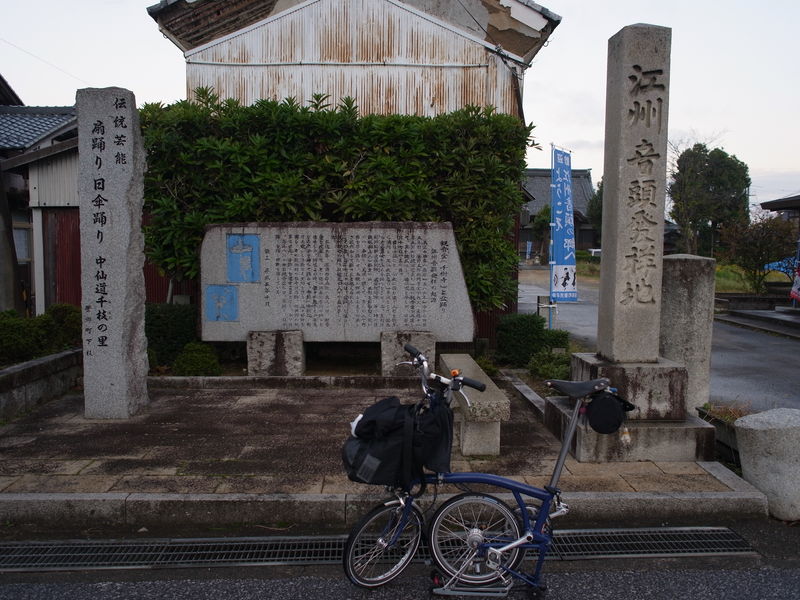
(735, 74)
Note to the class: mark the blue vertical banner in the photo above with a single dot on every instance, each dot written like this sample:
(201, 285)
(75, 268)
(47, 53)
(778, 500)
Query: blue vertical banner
(563, 287)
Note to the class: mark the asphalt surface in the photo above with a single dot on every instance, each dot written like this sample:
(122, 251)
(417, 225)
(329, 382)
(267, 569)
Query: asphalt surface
(690, 584)
(749, 367)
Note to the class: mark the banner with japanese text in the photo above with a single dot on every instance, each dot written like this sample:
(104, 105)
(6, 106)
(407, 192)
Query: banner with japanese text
(563, 286)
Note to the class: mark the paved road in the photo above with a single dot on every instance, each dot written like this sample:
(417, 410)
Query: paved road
(632, 584)
(752, 368)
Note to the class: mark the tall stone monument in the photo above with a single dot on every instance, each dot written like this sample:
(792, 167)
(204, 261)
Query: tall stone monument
(634, 190)
(110, 190)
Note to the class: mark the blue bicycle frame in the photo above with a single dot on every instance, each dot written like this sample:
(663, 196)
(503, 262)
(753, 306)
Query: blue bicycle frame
(533, 533)
(494, 552)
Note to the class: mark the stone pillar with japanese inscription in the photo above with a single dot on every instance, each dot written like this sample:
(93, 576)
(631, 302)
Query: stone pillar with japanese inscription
(634, 189)
(110, 190)
(629, 312)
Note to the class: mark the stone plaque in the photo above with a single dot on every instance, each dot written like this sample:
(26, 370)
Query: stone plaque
(110, 189)
(333, 282)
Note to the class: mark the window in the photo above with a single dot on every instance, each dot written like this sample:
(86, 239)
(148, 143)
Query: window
(22, 244)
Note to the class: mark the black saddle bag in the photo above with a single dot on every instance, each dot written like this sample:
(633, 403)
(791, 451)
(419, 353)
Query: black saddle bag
(393, 442)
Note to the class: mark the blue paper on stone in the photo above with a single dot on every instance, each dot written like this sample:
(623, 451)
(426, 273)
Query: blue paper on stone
(243, 258)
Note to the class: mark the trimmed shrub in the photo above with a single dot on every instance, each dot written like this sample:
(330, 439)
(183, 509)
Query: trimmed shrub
(25, 338)
(487, 365)
(547, 364)
(556, 338)
(19, 338)
(197, 359)
(169, 327)
(518, 337)
(67, 326)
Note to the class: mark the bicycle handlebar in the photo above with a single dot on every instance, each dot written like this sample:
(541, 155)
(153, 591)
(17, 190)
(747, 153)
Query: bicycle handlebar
(411, 350)
(456, 383)
(478, 385)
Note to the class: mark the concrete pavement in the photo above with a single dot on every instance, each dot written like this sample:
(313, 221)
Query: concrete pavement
(259, 455)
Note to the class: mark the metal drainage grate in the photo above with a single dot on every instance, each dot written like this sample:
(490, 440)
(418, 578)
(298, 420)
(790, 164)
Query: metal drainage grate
(217, 552)
(577, 544)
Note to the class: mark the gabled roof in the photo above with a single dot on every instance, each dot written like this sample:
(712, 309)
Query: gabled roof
(520, 27)
(23, 126)
(192, 23)
(536, 184)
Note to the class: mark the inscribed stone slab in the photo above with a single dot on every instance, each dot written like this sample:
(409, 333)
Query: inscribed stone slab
(333, 282)
(110, 189)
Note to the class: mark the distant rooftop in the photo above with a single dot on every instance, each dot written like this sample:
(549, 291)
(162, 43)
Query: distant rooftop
(7, 94)
(536, 183)
(23, 126)
(788, 203)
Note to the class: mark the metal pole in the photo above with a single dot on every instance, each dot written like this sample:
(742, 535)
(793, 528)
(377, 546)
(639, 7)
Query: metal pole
(567, 442)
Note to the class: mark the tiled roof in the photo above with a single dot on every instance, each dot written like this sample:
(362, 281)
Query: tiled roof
(21, 126)
(536, 183)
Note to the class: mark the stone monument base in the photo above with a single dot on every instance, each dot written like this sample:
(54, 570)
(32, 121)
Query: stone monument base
(660, 428)
(663, 441)
(657, 389)
(392, 352)
(275, 353)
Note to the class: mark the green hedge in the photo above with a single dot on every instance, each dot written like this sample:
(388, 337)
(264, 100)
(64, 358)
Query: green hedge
(169, 327)
(520, 336)
(25, 338)
(213, 161)
(546, 364)
(197, 359)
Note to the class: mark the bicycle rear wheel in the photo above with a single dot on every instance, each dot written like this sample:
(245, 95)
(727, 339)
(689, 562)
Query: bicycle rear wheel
(380, 546)
(460, 531)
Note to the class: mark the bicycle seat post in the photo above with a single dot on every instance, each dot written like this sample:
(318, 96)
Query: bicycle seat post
(576, 390)
(565, 444)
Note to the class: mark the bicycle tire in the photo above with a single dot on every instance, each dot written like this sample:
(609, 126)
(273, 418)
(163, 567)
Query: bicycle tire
(368, 561)
(463, 524)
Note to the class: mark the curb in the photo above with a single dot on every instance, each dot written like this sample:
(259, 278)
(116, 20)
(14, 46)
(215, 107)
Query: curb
(755, 324)
(339, 512)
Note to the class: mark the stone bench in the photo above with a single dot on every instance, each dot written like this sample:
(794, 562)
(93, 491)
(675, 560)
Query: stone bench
(769, 448)
(479, 422)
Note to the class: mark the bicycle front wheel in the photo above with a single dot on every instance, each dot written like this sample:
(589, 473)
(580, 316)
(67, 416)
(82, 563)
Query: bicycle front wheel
(381, 546)
(461, 531)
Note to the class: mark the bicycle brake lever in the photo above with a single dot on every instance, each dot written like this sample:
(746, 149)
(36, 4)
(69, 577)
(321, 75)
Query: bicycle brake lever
(405, 362)
(469, 404)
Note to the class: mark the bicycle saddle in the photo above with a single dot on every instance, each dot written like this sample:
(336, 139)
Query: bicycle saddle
(578, 389)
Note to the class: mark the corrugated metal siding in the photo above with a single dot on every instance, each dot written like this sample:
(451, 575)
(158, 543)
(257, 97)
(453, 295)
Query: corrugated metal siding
(54, 181)
(62, 255)
(390, 59)
(63, 263)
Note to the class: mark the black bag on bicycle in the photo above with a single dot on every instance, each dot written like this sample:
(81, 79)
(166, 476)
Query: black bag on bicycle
(392, 443)
(375, 453)
(606, 412)
(433, 437)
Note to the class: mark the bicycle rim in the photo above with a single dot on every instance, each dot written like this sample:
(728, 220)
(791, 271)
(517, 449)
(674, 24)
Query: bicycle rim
(377, 550)
(461, 531)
